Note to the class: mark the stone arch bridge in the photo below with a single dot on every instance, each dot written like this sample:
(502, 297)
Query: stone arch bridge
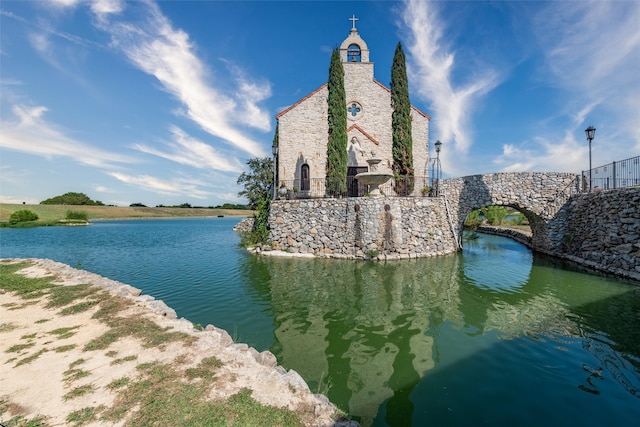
(539, 196)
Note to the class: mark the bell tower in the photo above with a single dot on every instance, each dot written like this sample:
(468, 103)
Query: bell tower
(353, 48)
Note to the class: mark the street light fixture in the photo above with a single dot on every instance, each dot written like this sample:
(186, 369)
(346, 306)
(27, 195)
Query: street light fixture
(274, 151)
(591, 133)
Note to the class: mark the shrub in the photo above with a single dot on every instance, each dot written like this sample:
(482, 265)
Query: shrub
(23, 215)
(495, 214)
(474, 220)
(518, 220)
(79, 215)
(260, 231)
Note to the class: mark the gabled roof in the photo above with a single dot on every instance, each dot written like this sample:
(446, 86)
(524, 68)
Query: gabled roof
(291, 107)
(285, 111)
(363, 132)
(417, 110)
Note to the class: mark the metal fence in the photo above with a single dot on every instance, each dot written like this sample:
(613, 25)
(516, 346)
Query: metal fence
(625, 173)
(315, 188)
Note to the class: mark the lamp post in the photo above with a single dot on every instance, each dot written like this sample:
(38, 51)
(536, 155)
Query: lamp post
(274, 151)
(438, 144)
(590, 132)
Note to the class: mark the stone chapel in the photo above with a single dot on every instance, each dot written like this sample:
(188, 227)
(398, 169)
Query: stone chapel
(303, 129)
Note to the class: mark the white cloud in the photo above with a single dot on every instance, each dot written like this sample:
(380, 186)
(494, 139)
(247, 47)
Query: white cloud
(175, 187)
(249, 95)
(191, 152)
(33, 135)
(64, 3)
(564, 154)
(432, 63)
(41, 44)
(591, 54)
(106, 7)
(588, 55)
(166, 53)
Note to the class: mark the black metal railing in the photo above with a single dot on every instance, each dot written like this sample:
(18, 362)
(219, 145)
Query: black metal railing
(315, 188)
(621, 174)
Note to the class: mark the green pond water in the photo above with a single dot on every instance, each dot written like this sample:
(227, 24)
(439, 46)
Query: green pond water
(494, 335)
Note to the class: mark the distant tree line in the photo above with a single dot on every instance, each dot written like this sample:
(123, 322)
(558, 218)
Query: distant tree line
(188, 205)
(72, 199)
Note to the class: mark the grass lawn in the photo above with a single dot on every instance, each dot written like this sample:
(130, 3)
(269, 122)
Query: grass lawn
(162, 390)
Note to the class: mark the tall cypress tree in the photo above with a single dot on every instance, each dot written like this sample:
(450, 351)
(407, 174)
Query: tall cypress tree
(336, 170)
(401, 123)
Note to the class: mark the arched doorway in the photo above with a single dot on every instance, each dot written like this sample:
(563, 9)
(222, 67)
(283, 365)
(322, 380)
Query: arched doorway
(305, 181)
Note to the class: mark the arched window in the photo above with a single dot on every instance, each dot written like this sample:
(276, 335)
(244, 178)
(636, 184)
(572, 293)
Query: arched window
(305, 182)
(353, 53)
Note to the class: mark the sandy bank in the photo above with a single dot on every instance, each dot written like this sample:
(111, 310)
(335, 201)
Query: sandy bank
(30, 331)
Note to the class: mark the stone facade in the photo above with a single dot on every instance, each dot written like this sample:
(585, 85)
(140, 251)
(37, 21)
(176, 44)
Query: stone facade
(303, 128)
(382, 228)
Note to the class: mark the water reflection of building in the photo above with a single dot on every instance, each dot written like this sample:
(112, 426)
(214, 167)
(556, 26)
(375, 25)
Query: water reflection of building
(366, 334)
(361, 330)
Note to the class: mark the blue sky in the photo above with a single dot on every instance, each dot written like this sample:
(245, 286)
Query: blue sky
(164, 102)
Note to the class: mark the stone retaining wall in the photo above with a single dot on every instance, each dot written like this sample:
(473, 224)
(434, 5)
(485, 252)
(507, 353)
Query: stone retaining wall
(600, 230)
(521, 236)
(362, 227)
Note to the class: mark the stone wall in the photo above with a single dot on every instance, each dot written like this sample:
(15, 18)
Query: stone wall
(600, 230)
(383, 228)
(521, 236)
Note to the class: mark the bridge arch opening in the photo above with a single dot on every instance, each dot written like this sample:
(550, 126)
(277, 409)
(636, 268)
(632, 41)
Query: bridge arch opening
(497, 216)
(525, 222)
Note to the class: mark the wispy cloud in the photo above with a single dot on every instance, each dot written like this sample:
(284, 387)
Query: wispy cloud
(189, 151)
(174, 187)
(563, 155)
(592, 50)
(44, 38)
(431, 65)
(157, 48)
(591, 57)
(249, 94)
(31, 133)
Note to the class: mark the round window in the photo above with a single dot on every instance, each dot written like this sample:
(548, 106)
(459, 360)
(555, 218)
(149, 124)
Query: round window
(354, 110)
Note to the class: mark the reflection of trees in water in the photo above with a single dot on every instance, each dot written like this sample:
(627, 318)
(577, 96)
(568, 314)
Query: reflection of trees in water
(616, 342)
(558, 301)
(540, 315)
(359, 327)
(366, 333)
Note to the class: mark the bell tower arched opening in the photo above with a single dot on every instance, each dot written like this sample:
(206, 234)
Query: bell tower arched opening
(353, 53)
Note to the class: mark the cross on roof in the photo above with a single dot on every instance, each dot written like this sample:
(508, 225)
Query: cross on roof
(353, 20)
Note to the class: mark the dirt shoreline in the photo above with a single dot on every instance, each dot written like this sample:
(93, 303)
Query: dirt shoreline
(40, 387)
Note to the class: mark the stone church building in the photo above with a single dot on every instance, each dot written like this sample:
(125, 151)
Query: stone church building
(303, 129)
